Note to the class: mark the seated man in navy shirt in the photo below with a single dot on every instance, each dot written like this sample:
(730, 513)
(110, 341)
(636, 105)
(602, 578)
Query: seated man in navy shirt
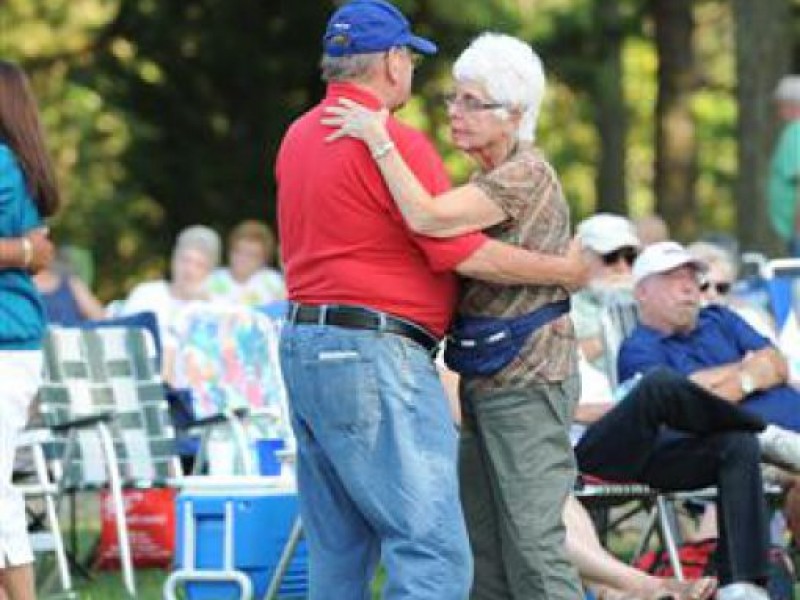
(712, 346)
(718, 351)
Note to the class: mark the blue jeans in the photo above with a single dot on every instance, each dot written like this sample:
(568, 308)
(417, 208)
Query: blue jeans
(377, 472)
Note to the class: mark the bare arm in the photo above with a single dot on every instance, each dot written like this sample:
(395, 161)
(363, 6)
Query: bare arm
(586, 414)
(509, 265)
(88, 305)
(457, 211)
(766, 367)
(592, 347)
(13, 254)
(461, 210)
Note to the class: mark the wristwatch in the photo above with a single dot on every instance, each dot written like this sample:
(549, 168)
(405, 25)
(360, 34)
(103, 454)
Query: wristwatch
(747, 383)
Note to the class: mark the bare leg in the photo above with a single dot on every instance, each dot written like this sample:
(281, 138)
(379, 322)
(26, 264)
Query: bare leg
(19, 582)
(595, 563)
(601, 569)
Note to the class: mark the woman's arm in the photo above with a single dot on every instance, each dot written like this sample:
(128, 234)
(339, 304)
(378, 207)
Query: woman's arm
(461, 210)
(31, 252)
(88, 304)
(511, 265)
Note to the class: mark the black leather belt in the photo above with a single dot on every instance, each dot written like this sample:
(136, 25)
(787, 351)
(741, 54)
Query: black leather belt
(356, 317)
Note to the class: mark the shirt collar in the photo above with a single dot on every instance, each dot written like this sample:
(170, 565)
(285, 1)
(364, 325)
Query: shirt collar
(655, 334)
(342, 89)
(661, 336)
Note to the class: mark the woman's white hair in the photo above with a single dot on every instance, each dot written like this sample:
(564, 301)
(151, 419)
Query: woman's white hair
(713, 254)
(200, 238)
(510, 71)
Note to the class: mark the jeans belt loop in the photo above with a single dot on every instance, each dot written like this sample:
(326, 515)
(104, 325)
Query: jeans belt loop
(381, 322)
(322, 317)
(293, 312)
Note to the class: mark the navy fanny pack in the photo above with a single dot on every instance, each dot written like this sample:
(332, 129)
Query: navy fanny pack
(484, 345)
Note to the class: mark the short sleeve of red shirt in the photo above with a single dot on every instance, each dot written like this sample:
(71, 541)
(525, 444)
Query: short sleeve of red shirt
(442, 254)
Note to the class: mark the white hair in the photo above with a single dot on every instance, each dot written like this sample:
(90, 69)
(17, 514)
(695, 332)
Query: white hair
(200, 238)
(510, 71)
(713, 255)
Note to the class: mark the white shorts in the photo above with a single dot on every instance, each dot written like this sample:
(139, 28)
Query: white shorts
(20, 376)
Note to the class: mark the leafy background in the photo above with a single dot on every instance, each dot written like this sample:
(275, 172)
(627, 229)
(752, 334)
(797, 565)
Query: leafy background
(161, 114)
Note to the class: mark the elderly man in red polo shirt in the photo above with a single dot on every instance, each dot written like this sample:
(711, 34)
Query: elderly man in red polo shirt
(369, 301)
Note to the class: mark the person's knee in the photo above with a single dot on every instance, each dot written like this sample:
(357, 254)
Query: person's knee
(664, 381)
(738, 447)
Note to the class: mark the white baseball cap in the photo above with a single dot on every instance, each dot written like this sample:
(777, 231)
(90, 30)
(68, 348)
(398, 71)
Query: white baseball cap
(604, 233)
(662, 257)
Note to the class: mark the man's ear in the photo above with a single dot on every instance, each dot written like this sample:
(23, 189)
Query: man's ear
(393, 66)
(640, 292)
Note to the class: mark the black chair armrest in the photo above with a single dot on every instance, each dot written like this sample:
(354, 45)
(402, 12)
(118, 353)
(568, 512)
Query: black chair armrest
(84, 422)
(239, 413)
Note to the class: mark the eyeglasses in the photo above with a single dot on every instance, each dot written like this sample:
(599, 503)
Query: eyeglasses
(721, 287)
(470, 103)
(627, 253)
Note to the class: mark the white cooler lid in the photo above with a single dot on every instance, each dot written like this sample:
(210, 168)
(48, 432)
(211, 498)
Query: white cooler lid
(205, 485)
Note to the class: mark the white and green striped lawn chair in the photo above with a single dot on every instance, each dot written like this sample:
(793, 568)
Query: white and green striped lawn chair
(103, 400)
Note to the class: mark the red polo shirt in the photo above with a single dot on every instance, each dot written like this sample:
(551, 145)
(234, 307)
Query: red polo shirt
(343, 240)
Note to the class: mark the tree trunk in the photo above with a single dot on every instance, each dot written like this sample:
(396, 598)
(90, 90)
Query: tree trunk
(676, 144)
(763, 51)
(611, 114)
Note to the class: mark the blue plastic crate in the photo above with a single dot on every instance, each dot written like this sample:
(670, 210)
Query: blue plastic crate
(262, 524)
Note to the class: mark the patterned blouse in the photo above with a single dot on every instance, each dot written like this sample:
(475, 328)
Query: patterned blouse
(526, 187)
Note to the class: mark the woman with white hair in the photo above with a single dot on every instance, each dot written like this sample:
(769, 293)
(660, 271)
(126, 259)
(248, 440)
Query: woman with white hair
(195, 255)
(717, 286)
(516, 463)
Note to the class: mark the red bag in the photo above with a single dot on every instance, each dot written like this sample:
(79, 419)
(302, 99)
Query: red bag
(695, 560)
(151, 528)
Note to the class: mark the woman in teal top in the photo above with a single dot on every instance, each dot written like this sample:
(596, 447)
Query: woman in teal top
(28, 193)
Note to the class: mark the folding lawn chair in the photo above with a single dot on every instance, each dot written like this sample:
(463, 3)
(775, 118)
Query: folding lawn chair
(103, 401)
(618, 320)
(39, 491)
(782, 279)
(227, 356)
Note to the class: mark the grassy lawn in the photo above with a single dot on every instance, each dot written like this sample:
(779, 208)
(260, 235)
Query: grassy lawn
(107, 585)
(149, 582)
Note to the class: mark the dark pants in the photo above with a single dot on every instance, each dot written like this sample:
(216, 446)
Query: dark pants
(716, 447)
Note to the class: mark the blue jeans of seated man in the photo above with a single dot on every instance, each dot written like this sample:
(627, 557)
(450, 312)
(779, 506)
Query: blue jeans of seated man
(377, 472)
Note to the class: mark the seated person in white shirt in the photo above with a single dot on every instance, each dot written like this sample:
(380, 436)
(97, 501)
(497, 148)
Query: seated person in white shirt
(610, 246)
(196, 253)
(249, 278)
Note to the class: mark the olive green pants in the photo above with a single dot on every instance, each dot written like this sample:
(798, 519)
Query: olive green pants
(516, 468)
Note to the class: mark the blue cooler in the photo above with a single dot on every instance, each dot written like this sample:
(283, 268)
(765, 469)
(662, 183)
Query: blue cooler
(250, 518)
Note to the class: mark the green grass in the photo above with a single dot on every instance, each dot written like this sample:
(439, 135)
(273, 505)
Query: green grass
(149, 583)
(107, 585)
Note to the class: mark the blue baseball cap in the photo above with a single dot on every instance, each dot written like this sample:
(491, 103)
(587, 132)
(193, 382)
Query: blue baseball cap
(362, 26)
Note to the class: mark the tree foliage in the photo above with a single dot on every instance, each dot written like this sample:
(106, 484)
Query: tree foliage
(163, 113)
